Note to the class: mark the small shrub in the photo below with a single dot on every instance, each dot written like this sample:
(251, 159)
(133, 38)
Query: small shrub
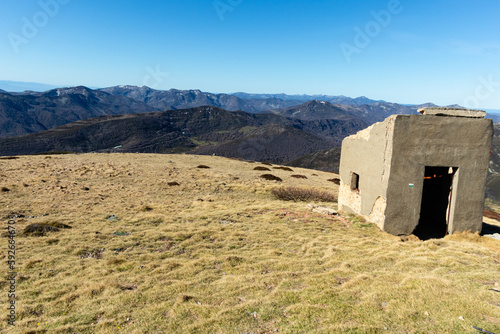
(203, 167)
(184, 298)
(270, 177)
(288, 169)
(173, 184)
(39, 230)
(147, 208)
(4, 189)
(9, 158)
(261, 168)
(335, 180)
(299, 176)
(303, 194)
(267, 163)
(59, 225)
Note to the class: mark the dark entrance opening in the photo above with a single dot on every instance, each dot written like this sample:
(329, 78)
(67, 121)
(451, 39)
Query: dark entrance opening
(436, 198)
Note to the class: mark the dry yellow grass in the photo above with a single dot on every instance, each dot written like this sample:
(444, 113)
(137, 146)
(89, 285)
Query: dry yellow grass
(219, 254)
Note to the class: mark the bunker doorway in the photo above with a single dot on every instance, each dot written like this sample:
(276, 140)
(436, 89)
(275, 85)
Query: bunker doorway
(436, 202)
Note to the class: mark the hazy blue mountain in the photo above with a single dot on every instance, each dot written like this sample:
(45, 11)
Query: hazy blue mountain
(328, 98)
(19, 86)
(181, 99)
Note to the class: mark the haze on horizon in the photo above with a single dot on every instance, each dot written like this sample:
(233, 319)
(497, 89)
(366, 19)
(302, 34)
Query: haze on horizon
(401, 51)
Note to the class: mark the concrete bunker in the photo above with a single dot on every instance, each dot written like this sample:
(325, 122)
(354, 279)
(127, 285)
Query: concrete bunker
(419, 174)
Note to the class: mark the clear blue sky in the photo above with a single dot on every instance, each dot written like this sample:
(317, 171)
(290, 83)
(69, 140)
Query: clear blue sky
(440, 51)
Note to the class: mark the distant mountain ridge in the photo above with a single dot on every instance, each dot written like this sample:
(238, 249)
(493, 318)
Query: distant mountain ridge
(181, 99)
(369, 113)
(31, 111)
(314, 109)
(35, 111)
(200, 130)
(340, 99)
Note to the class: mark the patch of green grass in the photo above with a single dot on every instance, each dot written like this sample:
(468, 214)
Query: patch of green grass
(247, 129)
(201, 142)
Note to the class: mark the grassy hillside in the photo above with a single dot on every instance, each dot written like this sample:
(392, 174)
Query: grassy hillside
(159, 245)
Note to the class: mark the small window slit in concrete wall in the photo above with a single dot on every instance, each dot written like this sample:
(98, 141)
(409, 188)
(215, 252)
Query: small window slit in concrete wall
(354, 181)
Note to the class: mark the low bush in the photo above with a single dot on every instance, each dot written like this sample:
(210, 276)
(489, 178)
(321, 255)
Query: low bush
(299, 176)
(303, 194)
(271, 177)
(261, 168)
(203, 166)
(288, 169)
(335, 180)
(39, 230)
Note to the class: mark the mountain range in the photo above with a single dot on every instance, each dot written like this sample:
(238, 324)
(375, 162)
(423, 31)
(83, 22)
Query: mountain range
(340, 99)
(31, 112)
(298, 130)
(200, 130)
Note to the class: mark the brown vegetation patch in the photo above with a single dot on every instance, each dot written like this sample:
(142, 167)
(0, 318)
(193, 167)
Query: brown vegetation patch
(335, 180)
(173, 184)
(288, 169)
(184, 298)
(39, 230)
(203, 166)
(267, 163)
(9, 158)
(271, 177)
(128, 286)
(261, 168)
(297, 176)
(4, 189)
(303, 194)
(147, 208)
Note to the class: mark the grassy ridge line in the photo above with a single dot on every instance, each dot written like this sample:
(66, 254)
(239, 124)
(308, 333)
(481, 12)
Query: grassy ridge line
(218, 254)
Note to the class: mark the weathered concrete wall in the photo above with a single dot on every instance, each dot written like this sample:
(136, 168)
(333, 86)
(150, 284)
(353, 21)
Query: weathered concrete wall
(367, 154)
(421, 141)
(390, 158)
